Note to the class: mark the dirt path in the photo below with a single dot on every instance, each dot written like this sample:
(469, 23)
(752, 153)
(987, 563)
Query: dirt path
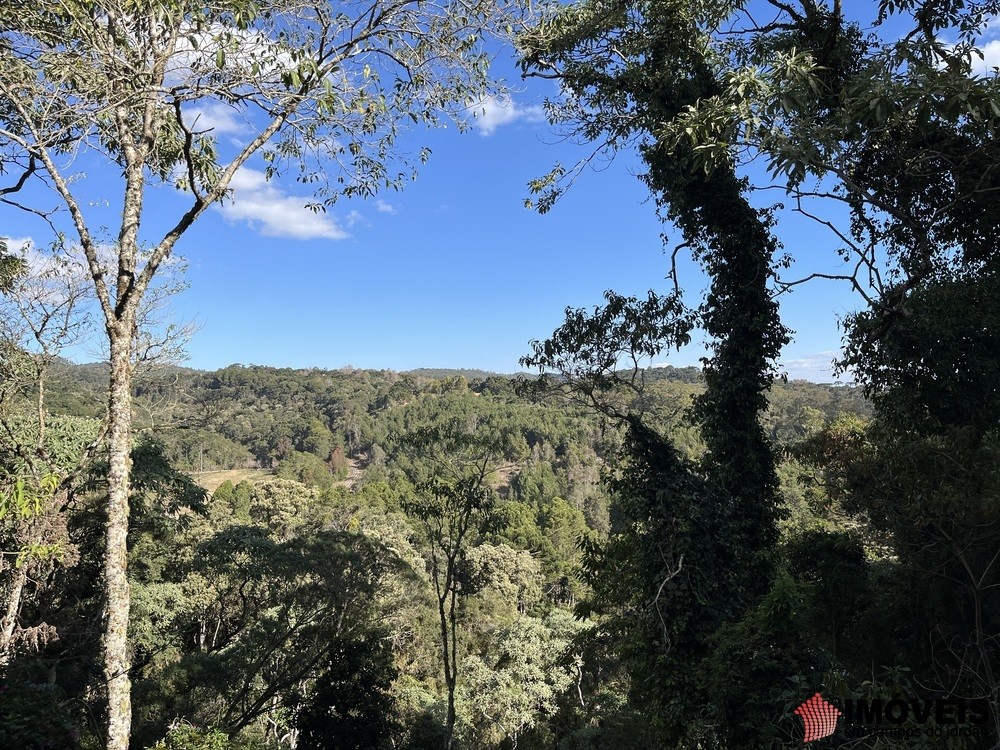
(211, 480)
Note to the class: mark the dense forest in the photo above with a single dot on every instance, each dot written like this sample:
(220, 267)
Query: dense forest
(293, 530)
(593, 554)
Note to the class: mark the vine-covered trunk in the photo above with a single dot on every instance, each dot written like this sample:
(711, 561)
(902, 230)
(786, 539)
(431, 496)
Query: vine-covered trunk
(117, 660)
(735, 244)
(742, 318)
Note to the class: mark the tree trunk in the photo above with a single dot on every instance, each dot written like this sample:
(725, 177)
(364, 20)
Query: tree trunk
(449, 669)
(10, 615)
(117, 659)
(453, 678)
(449, 723)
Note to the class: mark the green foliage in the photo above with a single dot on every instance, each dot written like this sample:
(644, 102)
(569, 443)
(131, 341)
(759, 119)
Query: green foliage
(835, 571)
(24, 501)
(229, 592)
(933, 363)
(506, 581)
(266, 614)
(64, 439)
(742, 317)
(565, 531)
(351, 706)
(537, 484)
(157, 481)
(519, 526)
(184, 736)
(187, 737)
(307, 469)
(36, 717)
(282, 505)
(609, 721)
(316, 439)
(765, 648)
(660, 580)
(515, 688)
(11, 266)
(30, 483)
(922, 474)
(588, 349)
(203, 450)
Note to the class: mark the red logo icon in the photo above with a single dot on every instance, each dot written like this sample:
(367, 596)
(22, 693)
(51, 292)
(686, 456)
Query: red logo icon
(819, 718)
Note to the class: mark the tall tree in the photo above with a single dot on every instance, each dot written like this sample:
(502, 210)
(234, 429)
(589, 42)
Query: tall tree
(887, 109)
(672, 573)
(897, 128)
(630, 68)
(925, 475)
(42, 312)
(455, 506)
(325, 88)
(887, 115)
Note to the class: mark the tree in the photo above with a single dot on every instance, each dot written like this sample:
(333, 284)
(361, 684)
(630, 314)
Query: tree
(684, 584)
(351, 706)
(893, 125)
(663, 583)
(517, 680)
(308, 469)
(565, 530)
(325, 88)
(455, 506)
(924, 474)
(888, 114)
(506, 581)
(632, 67)
(42, 312)
(10, 268)
(237, 618)
(896, 124)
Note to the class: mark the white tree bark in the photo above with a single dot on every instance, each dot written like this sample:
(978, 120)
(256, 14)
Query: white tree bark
(326, 84)
(9, 622)
(117, 658)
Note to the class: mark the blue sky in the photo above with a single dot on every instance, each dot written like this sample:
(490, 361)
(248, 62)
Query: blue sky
(454, 271)
(451, 272)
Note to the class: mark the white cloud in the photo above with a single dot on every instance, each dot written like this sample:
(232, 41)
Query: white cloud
(384, 208)
(219, 118)
(70, 261)
(19, 245)
(494, 112)
(41, 262)
(815, 367)
(50, 304)
(988, 46)
(244, 52)
(262, 205)
(991, 58)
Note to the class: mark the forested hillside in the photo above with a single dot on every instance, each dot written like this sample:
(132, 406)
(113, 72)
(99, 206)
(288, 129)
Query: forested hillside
(299, 599)
(594, 555)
